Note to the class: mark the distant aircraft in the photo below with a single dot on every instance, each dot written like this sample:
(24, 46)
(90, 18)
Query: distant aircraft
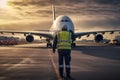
(58, 22)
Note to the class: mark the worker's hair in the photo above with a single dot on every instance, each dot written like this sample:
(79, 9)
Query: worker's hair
(64, 28)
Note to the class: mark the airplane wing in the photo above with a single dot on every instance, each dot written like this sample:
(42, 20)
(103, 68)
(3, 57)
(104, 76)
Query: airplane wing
(38, 33)
(79, 34)
(43, 30)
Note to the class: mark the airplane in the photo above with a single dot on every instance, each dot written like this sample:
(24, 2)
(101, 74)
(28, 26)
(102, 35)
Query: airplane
(58, 22)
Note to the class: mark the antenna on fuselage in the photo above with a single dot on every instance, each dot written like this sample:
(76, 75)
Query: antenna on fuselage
(53, 11)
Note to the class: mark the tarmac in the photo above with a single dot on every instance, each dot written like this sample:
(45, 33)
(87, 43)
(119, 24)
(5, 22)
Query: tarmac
(36, 62)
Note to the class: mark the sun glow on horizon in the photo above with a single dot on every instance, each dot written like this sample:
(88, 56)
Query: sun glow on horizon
(3, 4)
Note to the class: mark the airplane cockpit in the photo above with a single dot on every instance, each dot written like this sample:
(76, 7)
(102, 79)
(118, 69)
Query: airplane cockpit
(64, 20)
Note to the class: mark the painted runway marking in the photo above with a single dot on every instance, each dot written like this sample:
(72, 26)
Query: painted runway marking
(26, 60)
(55, 67)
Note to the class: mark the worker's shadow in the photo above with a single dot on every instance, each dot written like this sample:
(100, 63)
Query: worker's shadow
(110, 52)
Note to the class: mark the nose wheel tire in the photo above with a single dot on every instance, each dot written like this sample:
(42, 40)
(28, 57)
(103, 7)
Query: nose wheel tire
(49, 45)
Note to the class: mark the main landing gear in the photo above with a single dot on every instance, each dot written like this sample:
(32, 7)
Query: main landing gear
(49, 44)
(73, 44)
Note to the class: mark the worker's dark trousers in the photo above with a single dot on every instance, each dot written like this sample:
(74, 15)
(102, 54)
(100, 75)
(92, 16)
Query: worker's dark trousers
(64, 56)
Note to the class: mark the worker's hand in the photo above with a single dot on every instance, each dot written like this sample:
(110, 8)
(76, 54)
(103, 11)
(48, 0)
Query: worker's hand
(53, 50)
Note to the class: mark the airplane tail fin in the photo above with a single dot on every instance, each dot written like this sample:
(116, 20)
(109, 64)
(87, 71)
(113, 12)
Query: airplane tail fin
(53, 11)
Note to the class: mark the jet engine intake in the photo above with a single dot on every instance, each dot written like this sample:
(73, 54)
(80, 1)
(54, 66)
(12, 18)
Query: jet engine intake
(29, 38)
(98, 38)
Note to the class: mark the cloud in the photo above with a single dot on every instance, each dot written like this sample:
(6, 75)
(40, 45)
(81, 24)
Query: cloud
(84, 7)
(107, 23)
(98, 13)
(110, 2)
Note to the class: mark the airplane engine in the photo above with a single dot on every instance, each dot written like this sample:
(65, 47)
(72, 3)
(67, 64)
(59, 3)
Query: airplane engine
(29, 38)
(98, 38)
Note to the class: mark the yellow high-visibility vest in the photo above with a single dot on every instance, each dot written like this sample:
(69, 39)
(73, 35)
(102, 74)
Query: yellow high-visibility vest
(64, 40)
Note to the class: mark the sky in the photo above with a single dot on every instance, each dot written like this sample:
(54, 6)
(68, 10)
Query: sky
(87, 15)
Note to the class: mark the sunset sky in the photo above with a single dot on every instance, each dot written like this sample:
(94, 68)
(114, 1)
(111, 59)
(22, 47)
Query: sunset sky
(87, 15)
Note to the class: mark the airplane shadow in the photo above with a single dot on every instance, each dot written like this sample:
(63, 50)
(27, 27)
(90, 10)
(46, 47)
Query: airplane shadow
(109, 52)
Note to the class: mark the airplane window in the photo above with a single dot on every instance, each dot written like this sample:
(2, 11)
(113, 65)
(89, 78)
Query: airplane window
(64, 20)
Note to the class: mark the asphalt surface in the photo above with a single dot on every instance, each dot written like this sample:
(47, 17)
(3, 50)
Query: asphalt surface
(36, 62)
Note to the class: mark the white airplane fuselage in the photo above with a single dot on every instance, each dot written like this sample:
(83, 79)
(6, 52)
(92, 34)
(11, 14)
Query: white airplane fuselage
(59, 22)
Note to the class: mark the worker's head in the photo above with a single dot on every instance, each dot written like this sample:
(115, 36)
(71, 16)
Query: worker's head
(64, 28)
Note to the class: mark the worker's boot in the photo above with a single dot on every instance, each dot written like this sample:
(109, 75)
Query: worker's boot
(61, 72)
(68, 74)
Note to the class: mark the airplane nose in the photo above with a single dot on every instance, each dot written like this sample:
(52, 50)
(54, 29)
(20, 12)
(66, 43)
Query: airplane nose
(64, 27)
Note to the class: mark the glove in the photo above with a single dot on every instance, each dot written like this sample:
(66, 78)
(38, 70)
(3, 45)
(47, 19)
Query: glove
(53, 50)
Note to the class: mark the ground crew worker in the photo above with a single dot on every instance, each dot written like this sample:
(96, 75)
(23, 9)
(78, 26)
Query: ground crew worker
(62, 42)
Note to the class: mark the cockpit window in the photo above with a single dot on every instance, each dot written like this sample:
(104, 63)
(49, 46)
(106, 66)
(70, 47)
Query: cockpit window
(64, 20)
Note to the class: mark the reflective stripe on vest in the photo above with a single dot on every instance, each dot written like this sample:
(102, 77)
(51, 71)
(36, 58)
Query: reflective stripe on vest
(64, 40)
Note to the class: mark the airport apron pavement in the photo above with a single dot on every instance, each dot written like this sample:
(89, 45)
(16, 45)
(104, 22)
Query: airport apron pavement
(36, 62)
(26, 64)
